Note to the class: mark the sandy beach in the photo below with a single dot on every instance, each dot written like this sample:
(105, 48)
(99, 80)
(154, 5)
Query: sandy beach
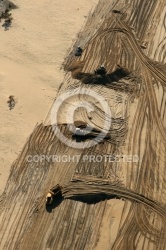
(31, 55)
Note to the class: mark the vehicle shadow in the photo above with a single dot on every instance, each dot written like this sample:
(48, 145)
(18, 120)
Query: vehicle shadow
(89, 199)
(93, 199)
(88, 78)
(56, 202)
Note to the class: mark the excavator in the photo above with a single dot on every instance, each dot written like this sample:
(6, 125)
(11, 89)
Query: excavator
(51, 193)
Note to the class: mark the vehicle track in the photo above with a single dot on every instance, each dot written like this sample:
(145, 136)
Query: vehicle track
(80, 189)
(138, 129)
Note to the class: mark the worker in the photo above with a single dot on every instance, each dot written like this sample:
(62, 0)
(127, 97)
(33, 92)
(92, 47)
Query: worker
(79, 51)
(101, 70)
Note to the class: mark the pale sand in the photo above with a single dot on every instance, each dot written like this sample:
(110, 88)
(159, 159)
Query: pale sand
(31, 55)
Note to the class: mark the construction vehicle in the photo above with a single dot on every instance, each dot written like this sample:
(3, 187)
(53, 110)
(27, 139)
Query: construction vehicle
(79, 51)
(101, 71)
(52, 192)
(117, 11)
(144, 45)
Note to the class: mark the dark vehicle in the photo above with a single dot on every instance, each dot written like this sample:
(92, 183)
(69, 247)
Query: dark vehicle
(116, 11)
(101, 71)
(79, 51)
(52, 192)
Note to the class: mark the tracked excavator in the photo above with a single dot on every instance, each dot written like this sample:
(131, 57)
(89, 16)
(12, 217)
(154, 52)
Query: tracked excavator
(51, 193)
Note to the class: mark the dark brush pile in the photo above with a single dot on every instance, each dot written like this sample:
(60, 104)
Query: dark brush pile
(5, 7)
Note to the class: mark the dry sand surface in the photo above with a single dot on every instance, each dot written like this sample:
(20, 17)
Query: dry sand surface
(31, 54)
(103, 204)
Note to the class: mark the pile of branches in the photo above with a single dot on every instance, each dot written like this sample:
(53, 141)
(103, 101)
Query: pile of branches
(5, 7)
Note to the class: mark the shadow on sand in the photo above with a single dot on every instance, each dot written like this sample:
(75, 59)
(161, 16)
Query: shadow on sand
(89, 199)
(56, 202)
(88, 78)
